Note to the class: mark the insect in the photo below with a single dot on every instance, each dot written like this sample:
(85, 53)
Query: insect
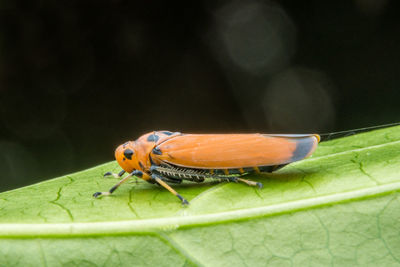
(165, 158)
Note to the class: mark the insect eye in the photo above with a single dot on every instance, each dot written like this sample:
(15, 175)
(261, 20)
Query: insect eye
(128, 153)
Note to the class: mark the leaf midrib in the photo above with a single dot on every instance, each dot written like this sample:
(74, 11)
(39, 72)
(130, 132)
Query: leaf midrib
(171, 223)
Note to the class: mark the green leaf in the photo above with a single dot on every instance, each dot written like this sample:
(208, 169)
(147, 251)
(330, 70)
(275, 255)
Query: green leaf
(339, 207)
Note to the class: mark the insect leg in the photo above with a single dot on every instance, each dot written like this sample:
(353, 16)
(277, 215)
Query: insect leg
(173, 174)
(155, 169)
(159, 180)
(115, 175)
(112, 189)
(238, 179)
(251, 183)
(172, 180)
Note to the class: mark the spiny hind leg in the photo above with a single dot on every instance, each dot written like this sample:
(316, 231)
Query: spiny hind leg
(115, 175)
(251, 183)
(160, 180)
(237, 179)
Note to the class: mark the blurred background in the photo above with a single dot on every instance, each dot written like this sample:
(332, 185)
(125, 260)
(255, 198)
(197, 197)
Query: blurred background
(76, 80)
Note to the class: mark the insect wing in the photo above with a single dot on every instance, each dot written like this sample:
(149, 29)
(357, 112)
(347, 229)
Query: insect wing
(220, 151)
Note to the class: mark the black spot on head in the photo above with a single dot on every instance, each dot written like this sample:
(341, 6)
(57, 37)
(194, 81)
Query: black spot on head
(157, 151)
(128, 153)
(153, 138)
(167, 133)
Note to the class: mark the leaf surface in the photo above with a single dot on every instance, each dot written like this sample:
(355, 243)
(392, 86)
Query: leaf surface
(340, 207)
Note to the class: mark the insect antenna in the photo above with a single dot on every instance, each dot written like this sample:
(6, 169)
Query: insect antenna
(339, 134)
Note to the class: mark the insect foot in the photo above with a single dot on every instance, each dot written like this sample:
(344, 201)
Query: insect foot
(97, 194)
(184, 201)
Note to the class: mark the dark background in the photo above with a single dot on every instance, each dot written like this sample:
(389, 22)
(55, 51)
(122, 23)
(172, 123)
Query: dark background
(78, 79)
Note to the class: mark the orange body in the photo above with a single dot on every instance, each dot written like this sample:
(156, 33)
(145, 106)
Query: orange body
(213, 151)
